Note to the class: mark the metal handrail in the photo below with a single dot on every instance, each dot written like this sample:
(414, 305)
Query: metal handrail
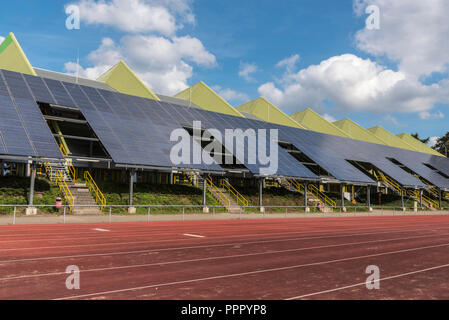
(63, 149)
(239, 197)
(93, 187)
(328, 202)
(49, 170)
(217, 192)
(65, 189)
(191, 175)
(391, 182)
(415, 194)
(297, 185)
(71, 168)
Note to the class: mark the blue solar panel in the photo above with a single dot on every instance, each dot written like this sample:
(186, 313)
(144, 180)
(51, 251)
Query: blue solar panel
(39, 89)
(59, 93)
(137, 131)
(24, 131)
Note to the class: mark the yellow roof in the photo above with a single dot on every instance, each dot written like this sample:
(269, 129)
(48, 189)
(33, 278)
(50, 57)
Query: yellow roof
(121, 78)
(13, 58)
(390, 138)
(266, 111)
(313, 121)
(357, 132)
(418, 144)
(206, 98)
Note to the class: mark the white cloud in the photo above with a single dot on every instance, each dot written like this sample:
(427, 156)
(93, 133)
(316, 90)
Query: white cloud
(137, 15)
(432, 141)
(329, 117)
(412, 32)
(162, 63)
(352, 84)
(289, 63)
(426, 115)
(107, 55)
(231, 95)
(389, 118)
(1, 39)
(246, 69)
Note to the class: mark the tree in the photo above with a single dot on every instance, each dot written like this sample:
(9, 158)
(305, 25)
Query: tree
(442, 144)
(416, 136)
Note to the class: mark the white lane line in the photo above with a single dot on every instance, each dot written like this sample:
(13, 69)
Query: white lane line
(199, 247)
(101, 230)
(193, 235)
(233, 227)
(364, 283)
(212, 237)
(146, 234)
(217, 258)
(250, 272)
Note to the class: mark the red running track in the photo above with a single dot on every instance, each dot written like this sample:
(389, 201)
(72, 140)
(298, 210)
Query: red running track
(323, 258)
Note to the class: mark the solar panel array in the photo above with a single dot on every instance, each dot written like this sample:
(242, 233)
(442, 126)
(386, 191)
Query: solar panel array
(136, 131)
(23, 131)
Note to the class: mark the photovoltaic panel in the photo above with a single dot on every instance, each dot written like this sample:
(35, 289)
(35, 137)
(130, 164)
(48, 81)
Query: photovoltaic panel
(137, 131)
(399, 174)
(24, 131)
(59, 93)
(423, 171)
(39, 89)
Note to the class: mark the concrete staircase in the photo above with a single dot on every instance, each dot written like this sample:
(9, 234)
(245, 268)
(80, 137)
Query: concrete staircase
(232, 206)
(312, 201)
(83, 197)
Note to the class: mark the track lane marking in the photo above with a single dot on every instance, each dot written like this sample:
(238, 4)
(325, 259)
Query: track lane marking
(193, 235)
(219, 257)
(250, 272)
(204, 246)
(339, 225)
(209, 246)
(364, 283)
(182, 239)
(144, 234)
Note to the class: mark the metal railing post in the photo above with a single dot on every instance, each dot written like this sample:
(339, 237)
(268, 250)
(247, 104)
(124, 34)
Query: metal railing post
(183, 218)
(149, 212)
(14, 217)
(64, 213)
(110, 214)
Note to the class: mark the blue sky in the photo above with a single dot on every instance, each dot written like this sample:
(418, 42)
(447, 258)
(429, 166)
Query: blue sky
(309, 53)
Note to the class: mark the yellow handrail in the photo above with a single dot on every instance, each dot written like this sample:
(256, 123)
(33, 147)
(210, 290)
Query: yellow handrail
(239, 198)
(328, 202)
(65, 189)
(63, 149)
(93, 187)
(71, 168)
(215, 191)
(271, 183)
(415, 194)
(191, 175)
(49, 170)
(297, 185)
(391, 182)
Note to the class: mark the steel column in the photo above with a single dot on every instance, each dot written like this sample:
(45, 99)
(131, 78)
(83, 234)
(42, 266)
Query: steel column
(368, 196)
(32, 182)
(204, 192)
(131, 187)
